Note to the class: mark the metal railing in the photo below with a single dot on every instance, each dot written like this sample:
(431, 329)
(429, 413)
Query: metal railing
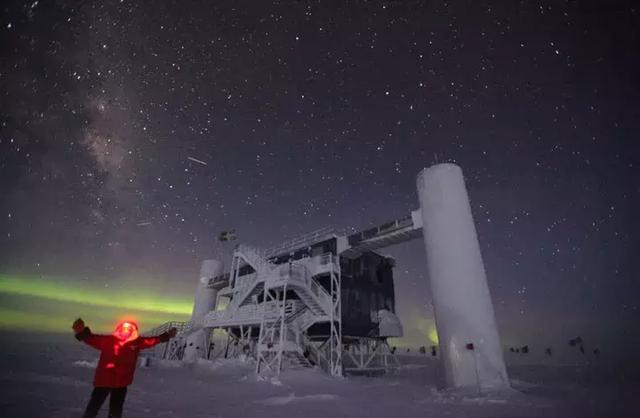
(386, 228)
(256, 257)
(299, 274)
(244, 290)
(180, 326)
(249, 313)
(317, 353)
(324, 263)
(299, 241)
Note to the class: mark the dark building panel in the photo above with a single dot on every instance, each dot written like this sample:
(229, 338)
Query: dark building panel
(367, 287)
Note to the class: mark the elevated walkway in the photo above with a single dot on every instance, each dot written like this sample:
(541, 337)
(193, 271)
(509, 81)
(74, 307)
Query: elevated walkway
(387, 234)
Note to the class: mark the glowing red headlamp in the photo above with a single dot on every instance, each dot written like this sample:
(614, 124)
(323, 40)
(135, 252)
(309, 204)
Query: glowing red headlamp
(126, 330)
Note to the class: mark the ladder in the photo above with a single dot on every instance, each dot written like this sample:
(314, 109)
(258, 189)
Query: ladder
(273, 332)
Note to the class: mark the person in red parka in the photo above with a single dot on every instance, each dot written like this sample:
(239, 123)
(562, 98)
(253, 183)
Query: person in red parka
(117, 364)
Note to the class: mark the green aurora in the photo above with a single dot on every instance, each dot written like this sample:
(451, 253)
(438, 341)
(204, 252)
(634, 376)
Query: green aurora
(51, 305)
(39, 304)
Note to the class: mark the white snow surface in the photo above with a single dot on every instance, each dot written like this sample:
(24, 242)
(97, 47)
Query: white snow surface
(283, 400)
(49, 375)
(84, 363)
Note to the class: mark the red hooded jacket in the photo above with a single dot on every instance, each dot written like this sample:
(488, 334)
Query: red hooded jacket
(118, 359)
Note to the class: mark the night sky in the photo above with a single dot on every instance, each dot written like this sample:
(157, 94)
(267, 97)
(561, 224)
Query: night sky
(133, 132)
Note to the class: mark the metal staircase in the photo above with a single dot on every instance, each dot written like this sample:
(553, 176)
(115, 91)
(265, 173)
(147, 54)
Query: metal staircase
(284, 301)
(296, 360)
(244, 295)
(254, 257)
(283, 337)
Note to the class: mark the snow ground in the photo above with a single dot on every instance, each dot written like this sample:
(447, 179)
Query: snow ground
(50, 376)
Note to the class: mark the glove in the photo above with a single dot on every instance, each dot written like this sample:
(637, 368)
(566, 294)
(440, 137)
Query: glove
(172, 332)
(78, 325)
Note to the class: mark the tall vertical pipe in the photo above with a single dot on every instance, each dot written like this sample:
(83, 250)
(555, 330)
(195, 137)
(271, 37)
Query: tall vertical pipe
(468, 337)
(204, 302)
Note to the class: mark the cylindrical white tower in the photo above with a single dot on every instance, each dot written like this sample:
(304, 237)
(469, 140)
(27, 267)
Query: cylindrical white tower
(204, 302)
(469, 343)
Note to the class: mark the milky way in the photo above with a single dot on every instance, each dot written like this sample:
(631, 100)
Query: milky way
(134, 132)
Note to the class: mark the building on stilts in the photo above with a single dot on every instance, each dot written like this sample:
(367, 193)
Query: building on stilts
(327, 299)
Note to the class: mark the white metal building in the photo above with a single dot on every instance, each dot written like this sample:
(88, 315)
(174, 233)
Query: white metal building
(327, 299)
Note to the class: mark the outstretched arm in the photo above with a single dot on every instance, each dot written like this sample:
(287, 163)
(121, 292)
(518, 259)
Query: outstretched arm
(84, 334)
(148, 342)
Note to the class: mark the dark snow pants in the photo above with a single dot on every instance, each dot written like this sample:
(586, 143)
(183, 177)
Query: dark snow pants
(98, 396)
